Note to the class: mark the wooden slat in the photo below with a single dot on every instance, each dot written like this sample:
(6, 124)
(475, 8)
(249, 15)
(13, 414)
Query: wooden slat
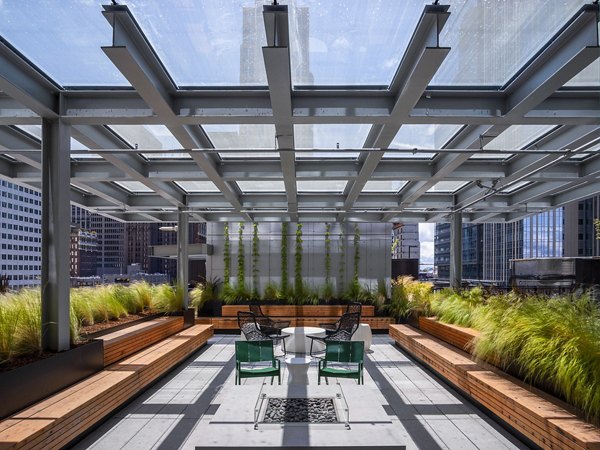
(125, 342)
(298, 310)
(460, 337)
(59, 419)
(230, 323)
(539, 417)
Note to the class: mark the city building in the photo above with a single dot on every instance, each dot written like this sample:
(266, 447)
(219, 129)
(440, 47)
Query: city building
(84, 252)
(20, 234)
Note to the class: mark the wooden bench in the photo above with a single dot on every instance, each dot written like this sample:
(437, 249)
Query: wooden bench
(460, 337)
(298, 315)
(125, 342)
(61, 418)
(541, 418)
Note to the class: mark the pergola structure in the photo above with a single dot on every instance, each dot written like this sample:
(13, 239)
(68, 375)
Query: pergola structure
(501, 151)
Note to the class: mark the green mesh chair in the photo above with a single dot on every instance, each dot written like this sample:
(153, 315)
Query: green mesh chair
(343, 359)
(247, 353)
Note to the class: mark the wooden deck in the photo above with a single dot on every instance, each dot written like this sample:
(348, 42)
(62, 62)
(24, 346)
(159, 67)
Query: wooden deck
(61, 418)
(540, 418)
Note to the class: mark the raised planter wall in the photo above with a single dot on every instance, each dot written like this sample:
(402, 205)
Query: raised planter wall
(29, 384)
(127, 341)
(298, 315)
(539, 417)
(297, 310)
(460, 337)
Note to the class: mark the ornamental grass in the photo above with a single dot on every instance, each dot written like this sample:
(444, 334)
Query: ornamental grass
(20, 312)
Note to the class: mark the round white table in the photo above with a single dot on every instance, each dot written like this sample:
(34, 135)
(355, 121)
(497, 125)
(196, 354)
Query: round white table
(299, 343)
(298, 369)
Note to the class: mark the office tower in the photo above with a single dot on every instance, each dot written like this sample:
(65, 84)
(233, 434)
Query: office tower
(20, 236)
(84, 252)
(405, 241)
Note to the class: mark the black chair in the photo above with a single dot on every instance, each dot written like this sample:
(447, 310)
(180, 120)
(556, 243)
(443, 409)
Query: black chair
(267, 324)
(353, 307)
(347, 325)
(253, 332)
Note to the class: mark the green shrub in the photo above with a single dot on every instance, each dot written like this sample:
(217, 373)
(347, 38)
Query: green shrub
(272, 292)
(328, 291)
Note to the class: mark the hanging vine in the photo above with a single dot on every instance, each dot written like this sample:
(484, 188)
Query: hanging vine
(255, 261)
(241, 279)
(298, 267)
(226, 254)
(284, 259)
(342, 265)
(356, 253)
(327, 253)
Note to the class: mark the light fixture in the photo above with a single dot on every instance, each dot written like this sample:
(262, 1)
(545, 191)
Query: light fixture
(168, 228)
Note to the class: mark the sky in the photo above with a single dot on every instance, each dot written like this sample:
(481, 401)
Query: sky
(426, 231)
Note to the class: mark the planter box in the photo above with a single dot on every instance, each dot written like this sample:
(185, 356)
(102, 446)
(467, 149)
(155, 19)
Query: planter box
(298, 310)
(31, 383)
(460, 337)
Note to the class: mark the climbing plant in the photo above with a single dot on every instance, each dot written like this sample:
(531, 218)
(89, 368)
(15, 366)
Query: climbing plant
(255, 261)
(597, 227)
(356, 253)
(327, 253)
(298, 256)
(241, 258)
(284, 259)
(226, 254)
(342, 265)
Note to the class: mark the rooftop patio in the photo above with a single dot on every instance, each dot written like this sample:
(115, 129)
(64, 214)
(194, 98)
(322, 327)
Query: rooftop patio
(175, 413)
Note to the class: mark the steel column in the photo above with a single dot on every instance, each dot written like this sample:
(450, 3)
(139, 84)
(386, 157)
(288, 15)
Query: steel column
(456, 251)
(183, 239)
(56, 214)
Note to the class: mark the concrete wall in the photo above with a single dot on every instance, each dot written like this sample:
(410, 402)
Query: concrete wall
(375, 253)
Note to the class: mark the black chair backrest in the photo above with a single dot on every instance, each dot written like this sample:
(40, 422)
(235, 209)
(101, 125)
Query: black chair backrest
(354, 307)
(248, 326)
(347, 325)
(255, 309)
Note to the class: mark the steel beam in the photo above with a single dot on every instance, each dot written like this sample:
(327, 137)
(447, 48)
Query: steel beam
(183, 240)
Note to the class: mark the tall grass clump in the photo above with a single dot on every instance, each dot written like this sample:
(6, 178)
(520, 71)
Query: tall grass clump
(82, 303)
(553, 342)
(28, 337)
(409, 296)
(9, 323)
(105, 303)
(168, 298)
(144, 292)
(457, 307)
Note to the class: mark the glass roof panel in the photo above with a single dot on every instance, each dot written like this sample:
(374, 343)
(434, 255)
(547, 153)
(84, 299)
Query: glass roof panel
(330, 136)
(492, 40)
(197, 186)
(134, 186)
(517, 137)
(349, 42)
(384, 186)
(242, 136)
(422, 137)
(207, 43)
(151, 137)
(590, 76)
(261, 186)
(513, 187)
(586, 153)
(63, 39)
(329, 186)
(447, 186)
